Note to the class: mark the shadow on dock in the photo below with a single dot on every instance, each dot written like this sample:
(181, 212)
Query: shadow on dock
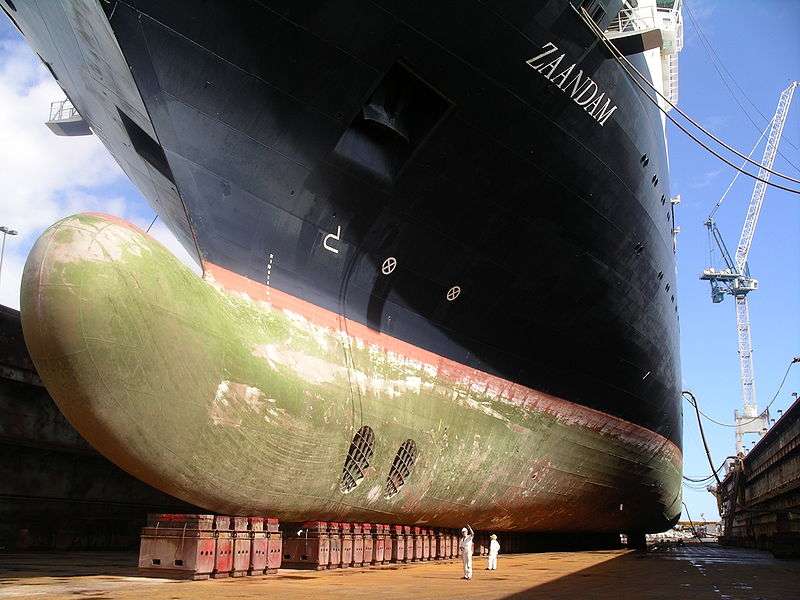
(693, 570)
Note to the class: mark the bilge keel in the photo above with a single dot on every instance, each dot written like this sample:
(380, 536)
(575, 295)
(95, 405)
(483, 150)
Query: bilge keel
(438, 269)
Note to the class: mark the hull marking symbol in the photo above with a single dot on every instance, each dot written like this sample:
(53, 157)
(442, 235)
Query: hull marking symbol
(453, 293)
(269, 274)
(332, 236)
(389, 265)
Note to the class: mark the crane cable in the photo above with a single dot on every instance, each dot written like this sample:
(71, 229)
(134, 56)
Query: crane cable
(601, 36)
(709, 48)
(693, 402)
(738, 172)
(717, 206)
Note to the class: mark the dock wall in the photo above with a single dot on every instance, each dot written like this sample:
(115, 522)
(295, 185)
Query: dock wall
(760, 496)
(56, 491)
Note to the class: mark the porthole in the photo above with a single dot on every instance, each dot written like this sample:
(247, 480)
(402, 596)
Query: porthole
(453, 293)
(644, 160)
(358, 456)
(663, 199)
(666, 288)
(402, 467)
(660, 275)
(638, 248)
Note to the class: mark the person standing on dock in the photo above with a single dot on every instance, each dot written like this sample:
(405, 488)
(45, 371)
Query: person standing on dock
(466, 548)
(494, 550)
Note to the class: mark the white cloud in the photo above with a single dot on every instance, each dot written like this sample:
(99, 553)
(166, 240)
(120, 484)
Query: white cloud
(699, 14)
(716, 123)
(705, 179)
(11, 276)
(39, 170)
(43, 177)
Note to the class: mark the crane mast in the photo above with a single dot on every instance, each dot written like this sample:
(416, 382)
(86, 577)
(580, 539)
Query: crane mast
(735, 278)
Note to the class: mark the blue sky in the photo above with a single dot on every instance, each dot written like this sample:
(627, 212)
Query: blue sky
(759, 45)
(43, 178)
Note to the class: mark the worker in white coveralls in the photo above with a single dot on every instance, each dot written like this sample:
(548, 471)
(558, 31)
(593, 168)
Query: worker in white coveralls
(465, 547)
(494, 550)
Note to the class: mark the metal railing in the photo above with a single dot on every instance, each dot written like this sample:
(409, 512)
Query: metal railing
(636, 18)
(61, 110)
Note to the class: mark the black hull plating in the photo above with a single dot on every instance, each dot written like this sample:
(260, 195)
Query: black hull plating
(276, 152)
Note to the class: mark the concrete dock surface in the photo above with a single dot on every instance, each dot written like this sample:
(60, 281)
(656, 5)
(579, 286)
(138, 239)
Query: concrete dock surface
(694, 571)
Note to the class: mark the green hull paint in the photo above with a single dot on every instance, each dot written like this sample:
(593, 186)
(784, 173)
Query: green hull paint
(239, 407)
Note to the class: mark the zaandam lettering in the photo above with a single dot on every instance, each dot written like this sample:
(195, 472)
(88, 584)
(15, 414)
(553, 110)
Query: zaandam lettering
(583, 91)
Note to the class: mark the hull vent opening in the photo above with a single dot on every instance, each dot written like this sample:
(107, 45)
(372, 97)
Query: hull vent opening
(358, 456)
(402, 468)
(146, 147)
(396, 119)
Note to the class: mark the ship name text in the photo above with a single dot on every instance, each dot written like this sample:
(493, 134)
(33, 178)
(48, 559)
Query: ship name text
(572, 81)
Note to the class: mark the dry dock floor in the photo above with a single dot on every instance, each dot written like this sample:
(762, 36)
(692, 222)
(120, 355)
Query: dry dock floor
(693, 572)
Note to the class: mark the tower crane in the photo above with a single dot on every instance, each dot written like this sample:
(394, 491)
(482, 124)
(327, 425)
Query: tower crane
(735, 278)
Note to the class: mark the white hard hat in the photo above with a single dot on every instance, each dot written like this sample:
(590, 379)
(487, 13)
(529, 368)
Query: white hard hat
(463, 530)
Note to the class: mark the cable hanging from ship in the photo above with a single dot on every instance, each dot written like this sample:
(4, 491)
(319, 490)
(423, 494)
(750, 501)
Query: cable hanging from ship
(615, 54)
(707, 477)
(694, 531)
(628, 66)
(693, 400)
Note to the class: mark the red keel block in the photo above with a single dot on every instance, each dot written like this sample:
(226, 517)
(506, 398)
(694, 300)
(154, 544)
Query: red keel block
(241, 546)
(177, 546)
(358, 545)
(309, 548)
(336, 546)
(274, 552)
(369, 544)
(347, 545)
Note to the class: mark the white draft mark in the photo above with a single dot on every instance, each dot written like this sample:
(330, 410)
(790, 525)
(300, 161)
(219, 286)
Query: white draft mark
(336, 237)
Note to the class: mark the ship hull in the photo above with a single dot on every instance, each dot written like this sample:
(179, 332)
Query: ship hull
(245, 403)
(427, 183)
